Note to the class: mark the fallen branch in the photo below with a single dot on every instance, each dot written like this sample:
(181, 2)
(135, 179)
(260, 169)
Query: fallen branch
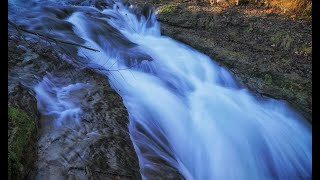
(113, 173)
(88, 171)
(49, 38)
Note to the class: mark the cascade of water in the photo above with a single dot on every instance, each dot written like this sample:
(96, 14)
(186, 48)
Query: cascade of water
(190, 112)
(58, 101)
(185, 111)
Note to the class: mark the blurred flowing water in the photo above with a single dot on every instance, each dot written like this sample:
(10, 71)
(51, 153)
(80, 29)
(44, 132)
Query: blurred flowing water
(61, 103)
(186, 112)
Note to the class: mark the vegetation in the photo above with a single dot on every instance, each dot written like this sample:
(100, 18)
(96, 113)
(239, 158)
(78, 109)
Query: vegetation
(21, 131)
(268, 79)
(167, 8)
(282, 39)
(299, 7)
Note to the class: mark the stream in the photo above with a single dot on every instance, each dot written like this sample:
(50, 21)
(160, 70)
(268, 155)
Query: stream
(186, 112)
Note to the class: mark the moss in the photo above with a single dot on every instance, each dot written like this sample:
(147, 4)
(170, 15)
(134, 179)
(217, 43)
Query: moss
(249, 28)
(231, 54)
(21, 132)
(307, 50)
(275, 39)
(168, 8)
(286, 42)
(204, 22)
(282, 39)
(299, 91)
(268, 79)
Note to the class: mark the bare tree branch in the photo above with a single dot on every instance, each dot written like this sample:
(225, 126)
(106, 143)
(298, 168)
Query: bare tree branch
(49, 38)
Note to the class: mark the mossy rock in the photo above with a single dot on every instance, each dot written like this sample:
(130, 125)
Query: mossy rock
(268, 79)
(22, 134)
(168, 8)
(307, 50)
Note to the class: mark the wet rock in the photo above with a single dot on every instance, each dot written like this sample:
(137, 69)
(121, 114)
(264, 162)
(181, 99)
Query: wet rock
(21, 49)
(100, 4)
(29, 56)
(22, 131)
(22, 138)
(99, 147)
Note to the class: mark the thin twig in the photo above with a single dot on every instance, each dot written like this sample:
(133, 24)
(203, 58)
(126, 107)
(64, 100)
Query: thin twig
(50, 38)
(113, 173)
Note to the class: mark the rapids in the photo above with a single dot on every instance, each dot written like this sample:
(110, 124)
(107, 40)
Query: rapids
(186, 112)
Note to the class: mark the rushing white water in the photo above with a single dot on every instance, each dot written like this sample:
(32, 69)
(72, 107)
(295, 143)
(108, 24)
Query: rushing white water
(187, 111)
(57, 102)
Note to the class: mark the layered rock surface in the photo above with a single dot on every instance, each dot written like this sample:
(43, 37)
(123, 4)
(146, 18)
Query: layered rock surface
(99, 147)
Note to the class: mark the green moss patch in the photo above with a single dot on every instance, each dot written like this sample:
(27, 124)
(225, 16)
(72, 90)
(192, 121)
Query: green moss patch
(21, 132)
(168, 8)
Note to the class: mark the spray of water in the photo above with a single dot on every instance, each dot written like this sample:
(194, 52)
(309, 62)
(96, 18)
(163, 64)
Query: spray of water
(57, 101)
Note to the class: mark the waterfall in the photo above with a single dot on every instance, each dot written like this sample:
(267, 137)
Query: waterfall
(186, 112)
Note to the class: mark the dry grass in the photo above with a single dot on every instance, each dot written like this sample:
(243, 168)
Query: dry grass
(299, 7)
